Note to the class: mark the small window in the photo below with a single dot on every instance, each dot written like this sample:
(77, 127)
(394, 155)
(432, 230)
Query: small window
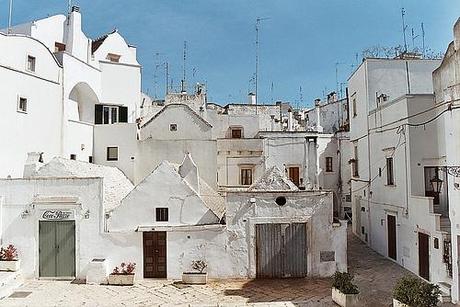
(329, 164)
(112, 153)
(113, 57)
(73, 157)
(31, 63)
(237, 133)
(348, 198)
(355, 162)
(246, 176)
(22, 105)
(90, 159)
(173, 127)
(280, 201)
(59, 47)
(436, 243)
(354, 107)
(390, 173)
(162, 214)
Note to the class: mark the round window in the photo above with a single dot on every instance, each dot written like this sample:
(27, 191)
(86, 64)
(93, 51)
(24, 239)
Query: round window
(280, 200)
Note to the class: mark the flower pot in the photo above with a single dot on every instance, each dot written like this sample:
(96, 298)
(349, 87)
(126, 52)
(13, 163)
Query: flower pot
(10, 266)
(121, 279)
(194, 278)
(344, 300)
(397, 303)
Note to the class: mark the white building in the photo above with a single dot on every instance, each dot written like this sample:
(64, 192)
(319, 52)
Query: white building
(60, 84)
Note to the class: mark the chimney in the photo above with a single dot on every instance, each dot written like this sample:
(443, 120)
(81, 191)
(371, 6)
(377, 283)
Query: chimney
(290, 120)
(33, 163)
(74, 37)
(251, 98)
(272, 117)
(457, 35)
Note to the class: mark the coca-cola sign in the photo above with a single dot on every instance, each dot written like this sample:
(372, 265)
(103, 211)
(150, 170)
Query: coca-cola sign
(57, 215)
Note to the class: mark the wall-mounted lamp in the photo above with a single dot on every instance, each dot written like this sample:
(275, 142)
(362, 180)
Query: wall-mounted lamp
(25, 213)
(86, 215)
(436, 183)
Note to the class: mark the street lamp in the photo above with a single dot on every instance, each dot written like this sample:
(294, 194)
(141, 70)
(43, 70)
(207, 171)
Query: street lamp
(436, 183)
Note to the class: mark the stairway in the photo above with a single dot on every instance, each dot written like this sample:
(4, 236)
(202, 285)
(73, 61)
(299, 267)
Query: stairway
(445, 224)
(9, 281)
(445, 292)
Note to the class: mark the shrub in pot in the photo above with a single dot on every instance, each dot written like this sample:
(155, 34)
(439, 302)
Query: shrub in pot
(344, 291)
(123, 275)
(414, 292)
(198, 276)
(9, 259)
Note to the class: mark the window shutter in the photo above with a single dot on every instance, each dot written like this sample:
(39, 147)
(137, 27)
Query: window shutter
(98, 114)
(123, 116)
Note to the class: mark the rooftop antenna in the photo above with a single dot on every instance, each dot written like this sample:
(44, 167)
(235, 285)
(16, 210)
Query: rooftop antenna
(300, 97)
(155, 74)
(337, 84)
(10, 15)
(166, 78)
(423, 40)
(69, 6)
(258, 20)
(404, 28)
(413, 38)
(183, 90)
(271, 92)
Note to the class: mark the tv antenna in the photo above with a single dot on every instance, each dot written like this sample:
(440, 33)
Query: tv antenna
(155, 73)
(10, 16)
(413, 38)
(404, 28)
(300, 98)
(423, 39)
(258, 20)
(183, 85)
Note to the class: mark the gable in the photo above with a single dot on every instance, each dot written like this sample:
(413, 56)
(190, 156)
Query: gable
(163, 188)
(188, 125)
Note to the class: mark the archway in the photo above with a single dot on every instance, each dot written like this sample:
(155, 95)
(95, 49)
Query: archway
(84, 99)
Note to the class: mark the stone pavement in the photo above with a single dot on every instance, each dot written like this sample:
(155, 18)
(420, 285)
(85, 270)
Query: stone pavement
(294, 292)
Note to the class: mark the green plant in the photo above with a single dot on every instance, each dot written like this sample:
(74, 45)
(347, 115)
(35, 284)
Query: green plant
(415, 292)
(344, 283)
(199, 265)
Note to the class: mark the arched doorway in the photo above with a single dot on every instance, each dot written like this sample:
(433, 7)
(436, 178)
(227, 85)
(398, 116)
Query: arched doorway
(82, 103)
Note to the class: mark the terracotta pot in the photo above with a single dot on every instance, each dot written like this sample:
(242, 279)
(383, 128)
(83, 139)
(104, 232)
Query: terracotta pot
(344, 300)
(10, 266)
(121, 279)
(194, 278)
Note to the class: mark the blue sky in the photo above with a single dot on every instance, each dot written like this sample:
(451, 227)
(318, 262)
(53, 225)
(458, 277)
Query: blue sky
(300, 43)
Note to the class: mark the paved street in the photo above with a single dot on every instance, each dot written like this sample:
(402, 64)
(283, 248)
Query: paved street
(374, 275)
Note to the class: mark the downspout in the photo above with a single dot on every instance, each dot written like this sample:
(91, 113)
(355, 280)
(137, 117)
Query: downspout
(368, 162)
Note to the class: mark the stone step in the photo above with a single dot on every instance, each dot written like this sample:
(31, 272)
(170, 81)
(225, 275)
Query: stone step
(9, 281)
(445, 292)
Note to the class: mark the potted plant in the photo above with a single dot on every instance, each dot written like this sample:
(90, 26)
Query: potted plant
(344, 291)
(198, 276)
(414, 292)
(123, 275)
(9, 259)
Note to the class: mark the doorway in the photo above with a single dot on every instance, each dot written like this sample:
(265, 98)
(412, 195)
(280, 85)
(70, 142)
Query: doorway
(56, 251)
(391, 233)
(294, 175)
(423, 255)
(154, 254)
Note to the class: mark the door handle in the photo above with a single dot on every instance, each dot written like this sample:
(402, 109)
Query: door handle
(157, 251)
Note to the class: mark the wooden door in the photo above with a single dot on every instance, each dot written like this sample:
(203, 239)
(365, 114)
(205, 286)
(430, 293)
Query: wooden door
(281, 250)
(391, 240)
(423, 256)
(154, 254)
(294, 175)
(56, 249)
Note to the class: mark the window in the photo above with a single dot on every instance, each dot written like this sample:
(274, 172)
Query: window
(58, 47)
(390, 174)
(112, 153)
(348, 198)
(294, 175)
(73, 157)
(110, 115)
(30, 63)
(22, 105)
(113, 57)
(162, 214)
(90, 159)
(246, 176)
(353, 101)
(329, 164)
(355, 162)
(173, 127)
(237, 133)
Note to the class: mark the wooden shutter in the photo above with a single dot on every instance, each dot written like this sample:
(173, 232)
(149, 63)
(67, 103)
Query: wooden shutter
(123, 116)
(98, 114)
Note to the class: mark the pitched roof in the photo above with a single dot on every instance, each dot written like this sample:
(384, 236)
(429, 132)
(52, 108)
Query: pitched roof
(175, 105)
(96, 43)
(115, 184)
(273, 180)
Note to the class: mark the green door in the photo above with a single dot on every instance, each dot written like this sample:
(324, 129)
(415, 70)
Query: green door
(57, 249)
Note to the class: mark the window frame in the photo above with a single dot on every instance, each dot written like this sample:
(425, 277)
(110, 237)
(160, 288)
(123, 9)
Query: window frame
(389, 162)
(108, 155)
(244, 178)
(18, 106)
(329, 165)
(355, 165)
(30, 68)
(354, 105)
(173, 127)
(162, 214)
(110, 114)
(236, 129)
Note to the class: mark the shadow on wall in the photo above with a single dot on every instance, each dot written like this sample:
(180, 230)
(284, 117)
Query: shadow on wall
(331, 180)
(297, 291)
